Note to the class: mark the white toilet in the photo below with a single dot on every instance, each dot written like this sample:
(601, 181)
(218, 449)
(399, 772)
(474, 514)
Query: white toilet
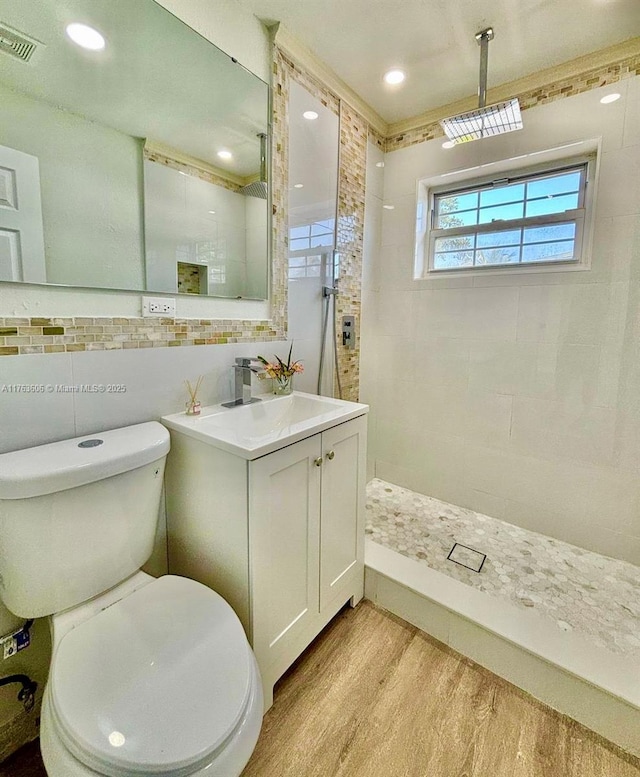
(148, 676)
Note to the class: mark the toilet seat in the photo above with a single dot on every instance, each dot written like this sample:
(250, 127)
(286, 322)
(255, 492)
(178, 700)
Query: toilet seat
(157, 683)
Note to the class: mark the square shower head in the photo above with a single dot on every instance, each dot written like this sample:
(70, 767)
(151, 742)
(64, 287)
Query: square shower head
(483, 122)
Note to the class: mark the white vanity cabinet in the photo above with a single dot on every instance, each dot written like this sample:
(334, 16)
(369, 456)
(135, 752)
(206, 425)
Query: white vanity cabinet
(281, 536)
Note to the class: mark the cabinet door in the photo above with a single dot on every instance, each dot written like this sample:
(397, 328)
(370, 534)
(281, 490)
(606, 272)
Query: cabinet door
(284, 518)
(342, 521)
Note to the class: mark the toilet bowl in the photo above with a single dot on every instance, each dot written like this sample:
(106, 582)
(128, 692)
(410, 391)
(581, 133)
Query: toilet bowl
(148, 676)
(162, 681)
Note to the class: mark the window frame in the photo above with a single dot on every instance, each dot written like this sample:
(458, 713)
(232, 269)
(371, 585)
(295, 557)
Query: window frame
(581, 216)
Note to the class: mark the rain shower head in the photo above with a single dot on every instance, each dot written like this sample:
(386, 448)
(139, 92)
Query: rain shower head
(485, 120)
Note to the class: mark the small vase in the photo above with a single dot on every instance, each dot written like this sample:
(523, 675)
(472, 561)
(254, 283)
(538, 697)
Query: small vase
(193, 408)
(283, 386)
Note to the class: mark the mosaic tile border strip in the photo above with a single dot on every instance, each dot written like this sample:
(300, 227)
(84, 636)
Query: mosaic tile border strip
(190, 169)
(555, 90)
(60, 335)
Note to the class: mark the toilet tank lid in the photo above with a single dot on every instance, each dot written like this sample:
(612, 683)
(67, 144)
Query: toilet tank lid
(59, 466)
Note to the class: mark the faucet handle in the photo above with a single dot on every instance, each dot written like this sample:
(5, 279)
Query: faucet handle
(245, 361)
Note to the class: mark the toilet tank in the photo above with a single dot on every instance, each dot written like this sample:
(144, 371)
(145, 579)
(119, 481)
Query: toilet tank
(79, 516)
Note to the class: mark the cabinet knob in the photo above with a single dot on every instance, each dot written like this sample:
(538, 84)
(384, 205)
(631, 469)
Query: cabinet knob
(330, 455)
(318, 461)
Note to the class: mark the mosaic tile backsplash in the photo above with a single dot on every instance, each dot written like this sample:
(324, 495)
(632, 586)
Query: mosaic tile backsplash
(57, 335)
(578, 590)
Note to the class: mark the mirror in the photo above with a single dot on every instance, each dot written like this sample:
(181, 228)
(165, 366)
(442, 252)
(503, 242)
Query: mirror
(133, 153)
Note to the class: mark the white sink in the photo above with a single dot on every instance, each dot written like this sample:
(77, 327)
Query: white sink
(254, 430)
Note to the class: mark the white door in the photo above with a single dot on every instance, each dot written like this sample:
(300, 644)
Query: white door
(342, 519)
(21, 234)
(284, 525)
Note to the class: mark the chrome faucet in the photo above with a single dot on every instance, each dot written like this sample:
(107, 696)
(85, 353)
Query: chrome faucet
(243, 370)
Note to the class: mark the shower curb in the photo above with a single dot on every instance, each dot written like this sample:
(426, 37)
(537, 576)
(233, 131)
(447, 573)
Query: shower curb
(593, 686)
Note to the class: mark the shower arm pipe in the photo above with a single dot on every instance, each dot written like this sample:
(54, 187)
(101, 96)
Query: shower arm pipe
(483, 38)
(263, 156)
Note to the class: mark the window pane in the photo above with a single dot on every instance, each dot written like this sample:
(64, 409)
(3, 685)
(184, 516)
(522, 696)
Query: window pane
(326, 225)
(454, 243)
(453, 259)
(465, 218)
(320, 229)
(552, 232)
(297, 261)
(299, 245)
(313, 272)
(552, 204)
(504, 238)
(555, 184)
(505, 255)
(322, 240)
(548, 252)
(499, 194)
(313, 260)
(501, 212)
(298, 232)
(457, 202)
(297, 272)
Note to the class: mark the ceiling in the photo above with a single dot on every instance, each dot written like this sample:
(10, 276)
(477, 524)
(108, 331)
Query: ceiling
(433, 41)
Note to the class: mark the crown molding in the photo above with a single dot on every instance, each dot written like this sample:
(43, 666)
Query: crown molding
(155, 147)
(538, 80)
(304, 57)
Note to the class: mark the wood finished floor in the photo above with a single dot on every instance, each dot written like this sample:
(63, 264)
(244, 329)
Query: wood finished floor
(376, 697)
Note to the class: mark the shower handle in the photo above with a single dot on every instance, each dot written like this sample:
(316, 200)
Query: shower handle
(331, 455)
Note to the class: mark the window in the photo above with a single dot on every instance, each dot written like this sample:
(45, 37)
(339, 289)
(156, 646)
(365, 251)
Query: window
(308, 244)
(316, 235)
(527, 218)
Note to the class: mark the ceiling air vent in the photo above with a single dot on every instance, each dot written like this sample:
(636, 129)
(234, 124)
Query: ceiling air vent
(16, 44)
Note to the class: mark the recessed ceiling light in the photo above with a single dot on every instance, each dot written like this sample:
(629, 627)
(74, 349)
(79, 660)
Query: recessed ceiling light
(448, 144)
(225, 154)
(298, 185)
(311, 115)
(394, 76)
(610, 98)
(85, 36)
(379, 164)
(389, 207)
(212, 212)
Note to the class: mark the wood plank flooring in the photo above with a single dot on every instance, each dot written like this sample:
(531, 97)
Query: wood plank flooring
(376, 697)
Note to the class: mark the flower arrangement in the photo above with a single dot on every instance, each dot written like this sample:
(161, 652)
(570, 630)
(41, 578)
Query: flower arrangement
(281, 372)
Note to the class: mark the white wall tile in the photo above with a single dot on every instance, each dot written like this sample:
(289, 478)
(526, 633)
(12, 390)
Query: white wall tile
(619, 184)
(38, 417)
(555, 430)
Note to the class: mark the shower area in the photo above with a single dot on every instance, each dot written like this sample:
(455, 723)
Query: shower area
(503, 497)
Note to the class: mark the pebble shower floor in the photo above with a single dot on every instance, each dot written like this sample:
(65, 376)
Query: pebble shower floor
(579, 590)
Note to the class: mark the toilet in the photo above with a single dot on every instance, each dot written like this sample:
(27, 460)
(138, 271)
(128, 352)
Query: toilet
(148, 676)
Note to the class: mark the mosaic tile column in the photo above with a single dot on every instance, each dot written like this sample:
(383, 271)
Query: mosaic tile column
(351, 196)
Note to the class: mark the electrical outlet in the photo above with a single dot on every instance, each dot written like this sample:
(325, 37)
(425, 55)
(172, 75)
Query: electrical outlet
(163, 307)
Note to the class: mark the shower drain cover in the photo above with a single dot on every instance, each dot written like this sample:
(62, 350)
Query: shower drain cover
(467, 557)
